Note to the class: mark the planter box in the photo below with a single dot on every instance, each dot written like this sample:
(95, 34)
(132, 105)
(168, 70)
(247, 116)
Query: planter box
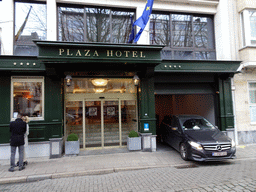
(72, 147)
(134, 143)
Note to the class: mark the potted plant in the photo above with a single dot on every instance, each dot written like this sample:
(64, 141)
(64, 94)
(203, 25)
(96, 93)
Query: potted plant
(72, 145)
(133, 141)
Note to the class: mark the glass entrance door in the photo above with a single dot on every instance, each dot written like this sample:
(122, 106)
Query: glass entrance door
(102, 123)
(111, 123)
(93, 124)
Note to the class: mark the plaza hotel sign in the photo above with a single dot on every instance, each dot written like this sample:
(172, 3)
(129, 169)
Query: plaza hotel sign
(95, 53)
(63, 52)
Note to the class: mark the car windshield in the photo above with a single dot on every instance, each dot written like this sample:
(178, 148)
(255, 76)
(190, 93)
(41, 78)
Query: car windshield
(196, 124)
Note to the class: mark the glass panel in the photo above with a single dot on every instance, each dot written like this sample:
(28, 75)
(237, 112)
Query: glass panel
(111, 123)
(128, 119)
(253, 23)
(205, 55)
(159, 29)
(252, 92)
(27, 98)
(166, 54)
(93, 123)
(183, 55)
(121, 26)
(201, 32)
(97, 25)
(85, 85)
(74, 119)
(182, 30)
(34, 27)
(71, 24)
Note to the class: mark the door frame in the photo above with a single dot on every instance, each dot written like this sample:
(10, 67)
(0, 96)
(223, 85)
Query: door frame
(102, 120)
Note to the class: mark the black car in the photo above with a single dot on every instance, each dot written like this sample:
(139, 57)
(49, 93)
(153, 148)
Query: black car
(196, 138)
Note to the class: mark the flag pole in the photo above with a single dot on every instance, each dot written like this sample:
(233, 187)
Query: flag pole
(22, 26)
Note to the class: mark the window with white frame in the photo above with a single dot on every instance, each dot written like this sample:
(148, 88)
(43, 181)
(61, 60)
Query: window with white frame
(248, 18)
(27, 97)
(252, 101)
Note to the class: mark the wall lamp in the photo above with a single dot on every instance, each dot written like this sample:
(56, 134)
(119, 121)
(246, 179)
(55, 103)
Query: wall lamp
(68, 80)
(136, 80)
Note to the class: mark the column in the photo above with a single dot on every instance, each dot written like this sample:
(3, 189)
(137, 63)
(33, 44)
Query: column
(51, 20)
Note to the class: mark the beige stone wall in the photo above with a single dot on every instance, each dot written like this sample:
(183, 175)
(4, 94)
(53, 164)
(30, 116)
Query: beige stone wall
(243, 4)
(248, 54)
(242, 100)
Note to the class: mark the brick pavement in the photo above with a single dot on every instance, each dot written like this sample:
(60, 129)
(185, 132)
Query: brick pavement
(44, 168)
(232, 176)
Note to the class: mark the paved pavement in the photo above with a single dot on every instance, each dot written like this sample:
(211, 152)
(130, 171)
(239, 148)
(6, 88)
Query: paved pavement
(99, 162)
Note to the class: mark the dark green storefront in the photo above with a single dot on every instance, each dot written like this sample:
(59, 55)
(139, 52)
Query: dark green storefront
(90, 60)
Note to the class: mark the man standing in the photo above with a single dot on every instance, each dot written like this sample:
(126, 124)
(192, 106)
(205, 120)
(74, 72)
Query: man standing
(17, 129)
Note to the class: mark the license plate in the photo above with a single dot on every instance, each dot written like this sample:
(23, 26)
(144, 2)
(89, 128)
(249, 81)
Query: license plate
(218, 154)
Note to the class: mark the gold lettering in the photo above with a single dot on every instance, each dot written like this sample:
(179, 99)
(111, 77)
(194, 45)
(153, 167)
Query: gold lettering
(61, 51)
(141, 54)
(87, 53)
(78, 53)
(68, 53)
(134, 54)
(127, 53)
(95, 53)
(118, 53)
(110, 53)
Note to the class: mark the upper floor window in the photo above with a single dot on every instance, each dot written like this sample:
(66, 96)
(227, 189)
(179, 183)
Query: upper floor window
(185, 36)
(248, 18)
(30, 23)
(94, 24)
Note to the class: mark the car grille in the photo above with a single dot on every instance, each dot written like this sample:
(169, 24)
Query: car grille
(217, 147)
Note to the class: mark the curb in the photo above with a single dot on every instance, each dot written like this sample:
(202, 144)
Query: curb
(33, 178)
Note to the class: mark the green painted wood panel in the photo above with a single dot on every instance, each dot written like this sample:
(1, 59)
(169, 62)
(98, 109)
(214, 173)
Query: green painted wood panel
(5, 82)
(226, 117)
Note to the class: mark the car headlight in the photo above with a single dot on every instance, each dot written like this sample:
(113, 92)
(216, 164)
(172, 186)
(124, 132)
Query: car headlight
(233, 143)
(195, 145)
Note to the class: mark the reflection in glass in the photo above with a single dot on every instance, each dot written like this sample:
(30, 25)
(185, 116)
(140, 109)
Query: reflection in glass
(204, 55)
(111, 123)
(74, 119)
(128, 118)
(71, 24)
(33, 28)
(182, 30)
(183, 55)
(159, 29)
(85, 85)
(121, 26)
(200, 31)
(93, 123)
(27, 98)
(97, 25)
(166, 54)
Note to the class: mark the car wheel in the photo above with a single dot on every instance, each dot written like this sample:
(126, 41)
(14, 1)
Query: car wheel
(183, 151)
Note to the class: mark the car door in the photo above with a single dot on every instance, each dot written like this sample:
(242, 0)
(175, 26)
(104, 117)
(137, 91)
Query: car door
(175, 133)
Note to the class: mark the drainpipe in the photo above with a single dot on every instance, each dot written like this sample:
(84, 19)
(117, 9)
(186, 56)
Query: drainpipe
(233, 88)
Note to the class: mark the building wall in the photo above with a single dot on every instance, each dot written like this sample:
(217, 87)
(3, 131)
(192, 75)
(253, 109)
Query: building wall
(214, 7)
(246, 131)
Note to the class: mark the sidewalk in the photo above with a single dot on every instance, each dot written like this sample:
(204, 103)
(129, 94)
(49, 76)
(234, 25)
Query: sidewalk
(90, 163)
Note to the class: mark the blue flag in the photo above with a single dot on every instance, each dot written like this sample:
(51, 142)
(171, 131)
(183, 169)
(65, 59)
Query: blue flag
(143, 20)
(131, 37)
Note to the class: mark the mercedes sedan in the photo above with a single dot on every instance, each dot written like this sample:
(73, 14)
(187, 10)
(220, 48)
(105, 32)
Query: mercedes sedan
(196, 138)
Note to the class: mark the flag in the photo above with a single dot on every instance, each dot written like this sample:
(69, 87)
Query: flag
(131, 37)
(142, 21)
(22, 26)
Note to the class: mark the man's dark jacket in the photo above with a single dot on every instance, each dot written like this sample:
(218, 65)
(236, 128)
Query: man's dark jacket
(18, 129)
